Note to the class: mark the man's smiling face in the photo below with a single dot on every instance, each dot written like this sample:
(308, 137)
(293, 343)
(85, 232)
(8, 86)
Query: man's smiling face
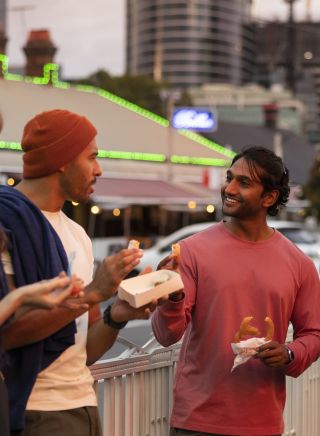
(242, 193)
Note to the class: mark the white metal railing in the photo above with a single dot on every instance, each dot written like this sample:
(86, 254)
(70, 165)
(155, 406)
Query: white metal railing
(135, 394)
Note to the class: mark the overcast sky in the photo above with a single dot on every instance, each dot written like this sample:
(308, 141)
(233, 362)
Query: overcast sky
(90, 34)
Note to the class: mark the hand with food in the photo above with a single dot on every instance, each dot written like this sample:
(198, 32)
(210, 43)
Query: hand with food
(175, 255)
(247, 341)
(274, 354)
(110, 273)
(171, 262)
(51, 293)
(46, 294)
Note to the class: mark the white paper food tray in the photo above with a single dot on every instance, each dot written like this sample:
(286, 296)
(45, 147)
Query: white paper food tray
(141, 290)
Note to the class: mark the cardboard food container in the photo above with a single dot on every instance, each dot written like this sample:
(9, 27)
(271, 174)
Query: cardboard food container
(141, 290)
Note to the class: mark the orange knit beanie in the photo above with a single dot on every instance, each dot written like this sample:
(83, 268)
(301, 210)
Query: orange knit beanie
(52, 139)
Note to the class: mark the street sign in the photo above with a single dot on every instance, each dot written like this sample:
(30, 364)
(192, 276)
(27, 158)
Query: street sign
(194, 118)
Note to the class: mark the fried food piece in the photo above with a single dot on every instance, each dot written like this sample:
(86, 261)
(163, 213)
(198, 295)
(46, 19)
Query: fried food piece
(133, 243)
(175, 250)
(162, 279)
(270, 328)
(246, 329)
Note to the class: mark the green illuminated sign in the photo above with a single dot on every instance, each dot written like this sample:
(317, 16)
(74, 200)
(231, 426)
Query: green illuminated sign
(51, 76)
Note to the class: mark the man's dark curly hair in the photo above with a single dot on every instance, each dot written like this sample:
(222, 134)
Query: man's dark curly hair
(270, 170)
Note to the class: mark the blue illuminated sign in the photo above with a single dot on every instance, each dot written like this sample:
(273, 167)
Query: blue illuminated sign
(194, 118)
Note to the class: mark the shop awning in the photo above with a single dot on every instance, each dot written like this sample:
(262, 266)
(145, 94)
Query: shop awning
(149, 192)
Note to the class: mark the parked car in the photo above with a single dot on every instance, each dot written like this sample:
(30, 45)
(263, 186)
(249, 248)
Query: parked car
(162, 248)
(305, 239)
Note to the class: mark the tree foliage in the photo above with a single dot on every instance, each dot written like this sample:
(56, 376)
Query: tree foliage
(141, 90)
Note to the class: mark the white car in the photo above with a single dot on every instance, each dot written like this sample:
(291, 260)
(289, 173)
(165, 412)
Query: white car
(153, 255)
(305, 239)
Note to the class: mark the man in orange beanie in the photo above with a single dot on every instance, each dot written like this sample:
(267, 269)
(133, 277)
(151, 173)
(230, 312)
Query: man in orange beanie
(59, 164)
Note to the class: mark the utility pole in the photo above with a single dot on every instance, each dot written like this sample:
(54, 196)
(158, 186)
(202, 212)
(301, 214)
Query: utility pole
(170, 97)
(308, 10)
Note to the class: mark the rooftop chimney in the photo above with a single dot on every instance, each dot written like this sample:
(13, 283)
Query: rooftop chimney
(3, 43)
(3, 40)
(39, 50)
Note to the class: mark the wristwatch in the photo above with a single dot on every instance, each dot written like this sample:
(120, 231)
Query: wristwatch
(176, 296)
(290, 354)
(109, 321)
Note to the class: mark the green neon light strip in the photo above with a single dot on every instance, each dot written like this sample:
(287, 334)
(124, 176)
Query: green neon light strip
(145, 157)
(4, 62)
(186, 160)
(151, 157)
(12, 146)
(207, 143)
(51, 75)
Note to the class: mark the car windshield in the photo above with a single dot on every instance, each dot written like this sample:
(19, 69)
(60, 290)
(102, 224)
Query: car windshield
(299, 236)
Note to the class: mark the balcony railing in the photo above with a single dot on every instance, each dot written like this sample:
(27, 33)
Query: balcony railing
(135, 394)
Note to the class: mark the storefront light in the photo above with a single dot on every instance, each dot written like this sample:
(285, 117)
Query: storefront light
(10, 181)
(210, 208)
(192, 204)
(95, 210)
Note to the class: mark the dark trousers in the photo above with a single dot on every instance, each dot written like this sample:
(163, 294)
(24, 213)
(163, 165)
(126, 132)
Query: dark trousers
(83, 421)
(4, 409)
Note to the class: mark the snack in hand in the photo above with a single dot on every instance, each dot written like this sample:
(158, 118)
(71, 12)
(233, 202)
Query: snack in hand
(175, 251)
(246, 329)
(243, 347)
(270, 328)
(133, 243)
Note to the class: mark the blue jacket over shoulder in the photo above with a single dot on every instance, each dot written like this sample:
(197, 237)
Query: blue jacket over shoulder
(37, 254)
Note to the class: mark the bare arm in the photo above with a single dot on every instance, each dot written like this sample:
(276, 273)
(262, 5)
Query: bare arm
(36, 325)
(101, 337)
(39, 324)
(8, 306)
(39, 294)
(170, 320)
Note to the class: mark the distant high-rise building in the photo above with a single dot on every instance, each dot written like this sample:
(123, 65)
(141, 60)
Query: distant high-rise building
(3, 13)
(191, 42)
(290, 55)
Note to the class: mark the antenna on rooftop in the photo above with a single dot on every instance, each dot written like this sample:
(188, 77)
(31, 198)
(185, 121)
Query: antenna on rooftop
(308, 10)
(291, 47)
(22, 9)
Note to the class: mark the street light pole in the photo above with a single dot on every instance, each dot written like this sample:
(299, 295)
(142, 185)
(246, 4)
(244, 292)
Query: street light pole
(170, 105)
(170, 97)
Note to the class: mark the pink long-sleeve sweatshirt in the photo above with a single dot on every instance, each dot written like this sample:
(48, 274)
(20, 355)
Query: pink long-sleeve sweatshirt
(226, 279)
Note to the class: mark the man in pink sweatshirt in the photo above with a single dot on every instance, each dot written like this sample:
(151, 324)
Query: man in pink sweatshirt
(238, 268)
